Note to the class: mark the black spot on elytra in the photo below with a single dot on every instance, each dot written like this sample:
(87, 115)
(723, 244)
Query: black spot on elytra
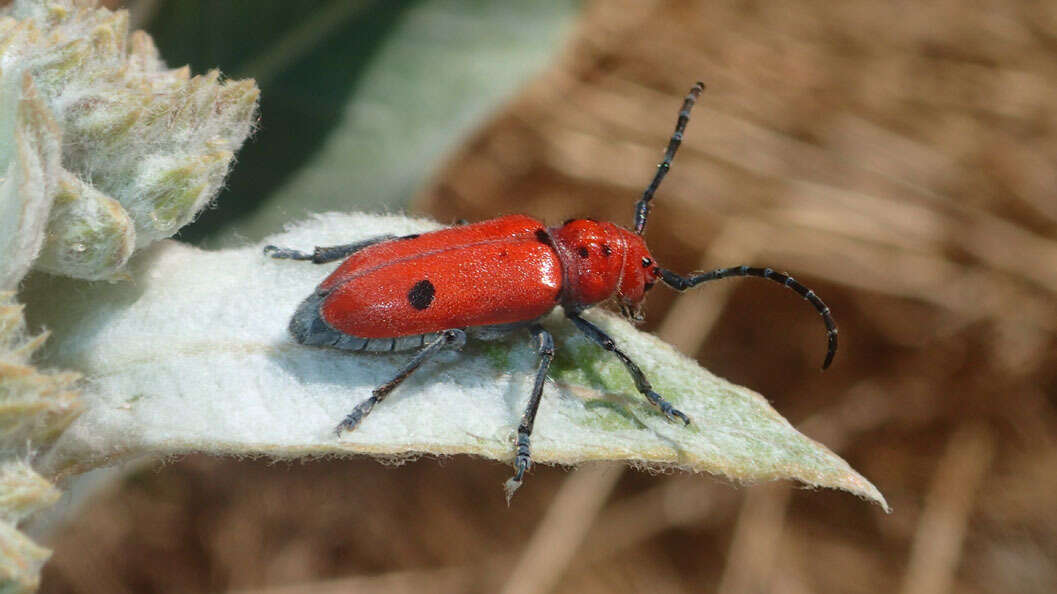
(606, 250)
(582, 250)
(412, 236)
(543, 237)
(646, 262)
(421, 295)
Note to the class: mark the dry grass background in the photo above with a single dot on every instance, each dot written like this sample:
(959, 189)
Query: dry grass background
(899, 158)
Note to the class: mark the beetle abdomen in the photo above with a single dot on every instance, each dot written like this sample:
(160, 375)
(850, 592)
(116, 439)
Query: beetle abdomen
(309, 328)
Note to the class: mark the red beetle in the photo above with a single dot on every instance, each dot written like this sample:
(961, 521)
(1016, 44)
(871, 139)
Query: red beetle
(427, 291)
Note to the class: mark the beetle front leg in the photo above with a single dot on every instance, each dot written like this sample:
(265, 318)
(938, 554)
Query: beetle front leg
(448, 338)
(523, 458)
(602, 339)
(322, 255)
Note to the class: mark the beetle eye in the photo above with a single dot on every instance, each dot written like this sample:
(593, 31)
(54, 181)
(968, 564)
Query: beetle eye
(646, 262)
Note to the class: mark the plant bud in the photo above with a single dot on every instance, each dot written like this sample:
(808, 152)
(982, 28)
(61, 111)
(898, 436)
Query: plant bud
(141, 143)
(89, 234)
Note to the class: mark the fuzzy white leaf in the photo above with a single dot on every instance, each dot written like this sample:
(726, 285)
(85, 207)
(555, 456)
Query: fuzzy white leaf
(29, 161)
(194, 355)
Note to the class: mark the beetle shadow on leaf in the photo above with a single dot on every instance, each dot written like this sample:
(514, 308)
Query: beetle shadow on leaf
(612, 409)
(599, 405)
(355, 374)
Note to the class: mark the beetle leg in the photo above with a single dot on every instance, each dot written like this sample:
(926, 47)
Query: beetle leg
(449, 338)
(523, 459)
(322, 255)
(602, 339)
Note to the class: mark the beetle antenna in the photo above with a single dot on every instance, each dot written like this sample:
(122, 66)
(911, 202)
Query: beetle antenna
(642, 209)
(681, 283)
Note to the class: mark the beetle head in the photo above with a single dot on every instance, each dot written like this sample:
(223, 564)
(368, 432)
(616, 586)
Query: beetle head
(638, 275)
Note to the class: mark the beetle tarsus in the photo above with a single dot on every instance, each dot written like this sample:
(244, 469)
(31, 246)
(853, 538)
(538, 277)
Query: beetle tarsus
(352, 420)
(521, 464)
(285, 253)
(670, 412)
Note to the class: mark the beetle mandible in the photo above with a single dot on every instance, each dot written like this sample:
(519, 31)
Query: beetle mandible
(426, 292)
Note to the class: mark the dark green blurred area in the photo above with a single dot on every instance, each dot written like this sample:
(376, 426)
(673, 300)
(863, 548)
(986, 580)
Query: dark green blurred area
(303, 91)
(360, 101)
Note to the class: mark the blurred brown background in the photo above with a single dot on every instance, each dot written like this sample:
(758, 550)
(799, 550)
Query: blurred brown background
(898, 158)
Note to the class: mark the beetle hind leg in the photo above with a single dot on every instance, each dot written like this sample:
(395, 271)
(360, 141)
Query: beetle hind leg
(322, 255)
(447, 339)
(523, 457)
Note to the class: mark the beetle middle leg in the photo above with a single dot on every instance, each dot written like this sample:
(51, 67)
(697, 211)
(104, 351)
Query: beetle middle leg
(523, 458)
(447, 339)
(322, 255)
(602, 339)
